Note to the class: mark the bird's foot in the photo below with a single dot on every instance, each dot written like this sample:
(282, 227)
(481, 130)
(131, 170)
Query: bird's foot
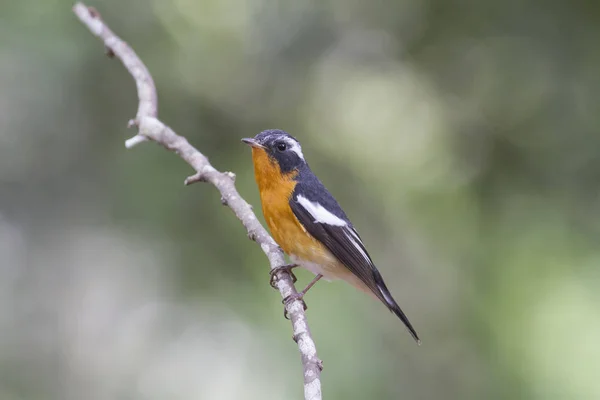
(290, 299)
(273, 272)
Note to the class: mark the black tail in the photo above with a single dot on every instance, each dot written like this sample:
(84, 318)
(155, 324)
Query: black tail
(388, 300)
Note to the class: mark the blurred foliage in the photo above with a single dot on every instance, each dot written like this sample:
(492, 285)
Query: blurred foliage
(460, 136)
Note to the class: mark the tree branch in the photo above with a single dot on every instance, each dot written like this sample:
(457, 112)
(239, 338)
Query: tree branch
(150, 128)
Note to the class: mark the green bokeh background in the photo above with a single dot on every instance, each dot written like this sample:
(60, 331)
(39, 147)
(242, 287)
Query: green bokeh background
(461, 137)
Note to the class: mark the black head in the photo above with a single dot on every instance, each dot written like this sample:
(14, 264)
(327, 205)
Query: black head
(280, 146)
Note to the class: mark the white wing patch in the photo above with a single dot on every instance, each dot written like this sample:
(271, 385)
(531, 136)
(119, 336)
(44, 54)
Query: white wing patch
(320, 213)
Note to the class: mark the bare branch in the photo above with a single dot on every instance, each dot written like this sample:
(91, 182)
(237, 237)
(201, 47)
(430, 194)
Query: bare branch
(150, 128)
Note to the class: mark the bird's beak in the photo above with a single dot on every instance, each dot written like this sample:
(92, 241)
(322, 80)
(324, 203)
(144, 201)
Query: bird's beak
(253, 143)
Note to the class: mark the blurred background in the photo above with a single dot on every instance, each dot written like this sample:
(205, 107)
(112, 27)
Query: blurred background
(460, 136)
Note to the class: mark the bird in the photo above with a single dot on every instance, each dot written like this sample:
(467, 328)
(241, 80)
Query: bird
(308, 224)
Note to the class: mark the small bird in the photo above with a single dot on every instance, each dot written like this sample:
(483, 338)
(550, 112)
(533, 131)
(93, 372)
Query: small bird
(307, 222)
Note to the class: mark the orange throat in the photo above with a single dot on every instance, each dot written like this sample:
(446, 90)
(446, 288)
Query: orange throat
(269, 177)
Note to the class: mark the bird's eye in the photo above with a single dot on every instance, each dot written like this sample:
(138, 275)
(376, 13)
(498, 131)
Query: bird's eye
(281, 146)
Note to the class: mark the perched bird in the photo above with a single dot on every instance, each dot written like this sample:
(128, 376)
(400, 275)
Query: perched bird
(308, 223)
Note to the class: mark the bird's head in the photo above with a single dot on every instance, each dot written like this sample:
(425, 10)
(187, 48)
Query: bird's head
(280, 149)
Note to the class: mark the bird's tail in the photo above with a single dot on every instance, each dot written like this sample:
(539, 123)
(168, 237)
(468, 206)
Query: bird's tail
(386, 297)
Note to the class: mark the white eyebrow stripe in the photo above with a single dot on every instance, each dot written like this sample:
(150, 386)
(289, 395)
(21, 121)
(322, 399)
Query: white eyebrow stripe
(295, 147)
(320, 213)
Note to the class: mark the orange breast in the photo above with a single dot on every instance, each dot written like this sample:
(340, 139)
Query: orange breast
(275, 191)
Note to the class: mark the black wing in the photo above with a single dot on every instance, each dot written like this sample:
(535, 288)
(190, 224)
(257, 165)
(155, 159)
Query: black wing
(340, 237)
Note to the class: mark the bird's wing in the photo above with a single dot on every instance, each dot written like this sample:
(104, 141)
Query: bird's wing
(338, 235)
(329, 225)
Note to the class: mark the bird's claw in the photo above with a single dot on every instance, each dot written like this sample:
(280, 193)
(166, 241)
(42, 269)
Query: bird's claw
(274, 278)
(291, 298)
